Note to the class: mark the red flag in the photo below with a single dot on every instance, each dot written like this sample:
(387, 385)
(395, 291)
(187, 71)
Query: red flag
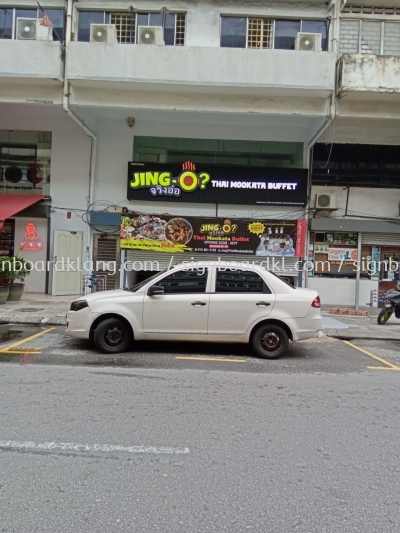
(46, 21)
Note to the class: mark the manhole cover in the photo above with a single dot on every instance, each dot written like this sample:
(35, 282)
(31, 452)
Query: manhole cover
(28, 309)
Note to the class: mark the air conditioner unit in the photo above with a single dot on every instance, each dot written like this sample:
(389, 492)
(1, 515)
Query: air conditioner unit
(311, 42)
(150, 35)
(325, 201)
(103, 33)
(32, 30)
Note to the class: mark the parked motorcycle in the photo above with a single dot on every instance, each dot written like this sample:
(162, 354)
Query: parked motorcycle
(392, 305)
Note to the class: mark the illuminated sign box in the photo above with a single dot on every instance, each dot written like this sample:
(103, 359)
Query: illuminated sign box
(217, 184)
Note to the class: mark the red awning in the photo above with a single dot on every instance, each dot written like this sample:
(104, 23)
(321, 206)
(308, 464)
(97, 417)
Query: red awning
(10, 204)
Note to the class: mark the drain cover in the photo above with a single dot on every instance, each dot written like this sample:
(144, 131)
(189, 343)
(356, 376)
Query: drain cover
(28, 309)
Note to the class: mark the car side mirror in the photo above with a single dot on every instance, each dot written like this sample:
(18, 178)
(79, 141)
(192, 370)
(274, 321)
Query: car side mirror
(155, 289)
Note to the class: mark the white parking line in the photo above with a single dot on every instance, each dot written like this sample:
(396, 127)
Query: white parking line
(70, 446)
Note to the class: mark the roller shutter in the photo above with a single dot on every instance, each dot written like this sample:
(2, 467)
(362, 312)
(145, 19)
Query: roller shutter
(106, 250)
(381, 239)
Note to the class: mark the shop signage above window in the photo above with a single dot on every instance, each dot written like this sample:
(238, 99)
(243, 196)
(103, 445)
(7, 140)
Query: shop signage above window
(164, 233)
(216, 184)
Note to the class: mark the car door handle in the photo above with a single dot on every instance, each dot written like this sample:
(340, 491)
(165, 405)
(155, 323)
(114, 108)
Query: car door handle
(198, 304)
(263, 304)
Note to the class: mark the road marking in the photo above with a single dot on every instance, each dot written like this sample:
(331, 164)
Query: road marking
(219, 360)
(18, 343)
(387, 363)
(106, 448)
(20, 352)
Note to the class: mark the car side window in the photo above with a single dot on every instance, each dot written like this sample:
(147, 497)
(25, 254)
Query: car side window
(240, 281)
(182, 282)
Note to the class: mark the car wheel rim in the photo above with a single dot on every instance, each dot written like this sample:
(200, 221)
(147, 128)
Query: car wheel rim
(271, 341)
(114, 337)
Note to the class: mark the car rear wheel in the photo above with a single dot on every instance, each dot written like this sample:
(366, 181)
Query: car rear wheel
(112, 335)
(270, 341)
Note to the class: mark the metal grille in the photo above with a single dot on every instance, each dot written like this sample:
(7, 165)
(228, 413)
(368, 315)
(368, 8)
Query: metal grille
(259, 33)
(125, 25)
(382, 239)
(180, 30)
(371, 10)
(106, 250)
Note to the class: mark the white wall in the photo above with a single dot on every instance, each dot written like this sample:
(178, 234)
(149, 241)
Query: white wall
(70, 160)
(115, 150)
(362, 202)
(341, 292)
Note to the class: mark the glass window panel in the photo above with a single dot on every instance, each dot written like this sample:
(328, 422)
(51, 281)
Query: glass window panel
(156, 19)
(391, 45)
(169, 29)
(6, 17)
(368, 164)
(233, 32)
(390, 166)
(285, 34)
(58, 20)
(184, 282)
(316, 26)
(142, 19)
(231, 281)
(348, 157)
(370, 37)
(86, 18)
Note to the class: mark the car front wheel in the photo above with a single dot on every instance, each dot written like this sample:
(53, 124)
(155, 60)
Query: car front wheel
(270, 341)
(112, 335)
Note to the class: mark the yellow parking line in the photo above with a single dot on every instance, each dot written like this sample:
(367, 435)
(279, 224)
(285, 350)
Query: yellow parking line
(19, 352)
(390, 365)
(18, 343)
(213, 359)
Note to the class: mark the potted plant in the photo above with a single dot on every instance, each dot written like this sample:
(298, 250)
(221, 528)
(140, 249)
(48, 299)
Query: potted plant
(5, 277)
(20, 269)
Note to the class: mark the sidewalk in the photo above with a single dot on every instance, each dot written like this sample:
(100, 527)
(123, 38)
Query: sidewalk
(46, 310)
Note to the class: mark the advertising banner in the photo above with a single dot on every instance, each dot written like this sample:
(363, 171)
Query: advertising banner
(342, 254)
(217, 184)
(164, 233)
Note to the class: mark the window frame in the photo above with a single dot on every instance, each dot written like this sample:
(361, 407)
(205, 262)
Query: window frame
(39, 15)
(273, 31)
(135, 17)
(266, 288)
(369, 19)
(168, 273)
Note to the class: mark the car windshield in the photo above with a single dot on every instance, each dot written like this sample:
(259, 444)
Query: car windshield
(136, 287)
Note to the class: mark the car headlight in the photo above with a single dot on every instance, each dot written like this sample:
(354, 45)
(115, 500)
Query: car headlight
(78, 305)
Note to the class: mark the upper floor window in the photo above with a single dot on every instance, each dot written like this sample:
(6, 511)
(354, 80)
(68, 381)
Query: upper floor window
(369, 37)
(250, 32)
(127, 24)
(9, 28)
(356, 165)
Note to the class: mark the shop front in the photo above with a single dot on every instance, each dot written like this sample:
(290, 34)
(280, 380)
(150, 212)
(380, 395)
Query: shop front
(350, 263)
(161, 240)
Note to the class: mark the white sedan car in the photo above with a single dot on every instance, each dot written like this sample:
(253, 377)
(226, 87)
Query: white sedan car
(201, 304)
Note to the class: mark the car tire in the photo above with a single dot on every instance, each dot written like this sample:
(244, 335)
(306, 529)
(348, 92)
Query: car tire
(112, 335)
(270, 341)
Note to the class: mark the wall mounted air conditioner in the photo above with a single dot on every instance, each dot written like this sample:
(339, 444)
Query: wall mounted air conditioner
(103, 33)
(325, 201)
(32, 30)
(150, 35)
(311, 42)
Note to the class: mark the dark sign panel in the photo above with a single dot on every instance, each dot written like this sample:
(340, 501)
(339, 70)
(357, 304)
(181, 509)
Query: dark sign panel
(217, 184)
(164, 233)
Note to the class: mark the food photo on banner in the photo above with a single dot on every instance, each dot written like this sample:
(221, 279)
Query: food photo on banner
(165, 233)
(217, 184)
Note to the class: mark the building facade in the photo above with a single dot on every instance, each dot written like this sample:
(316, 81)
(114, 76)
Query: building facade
(125, 108)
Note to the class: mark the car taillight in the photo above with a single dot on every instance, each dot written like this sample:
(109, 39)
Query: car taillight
(316, 303)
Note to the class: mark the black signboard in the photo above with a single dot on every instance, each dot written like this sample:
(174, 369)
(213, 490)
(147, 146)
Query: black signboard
(166, 233)
(217, 184)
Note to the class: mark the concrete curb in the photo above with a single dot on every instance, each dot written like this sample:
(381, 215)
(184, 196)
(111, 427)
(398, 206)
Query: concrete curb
(33, 320)
(348, 335)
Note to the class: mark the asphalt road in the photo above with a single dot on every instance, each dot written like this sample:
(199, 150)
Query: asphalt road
(147, 442)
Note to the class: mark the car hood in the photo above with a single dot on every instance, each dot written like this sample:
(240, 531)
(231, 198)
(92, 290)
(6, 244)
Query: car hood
(106, 295)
